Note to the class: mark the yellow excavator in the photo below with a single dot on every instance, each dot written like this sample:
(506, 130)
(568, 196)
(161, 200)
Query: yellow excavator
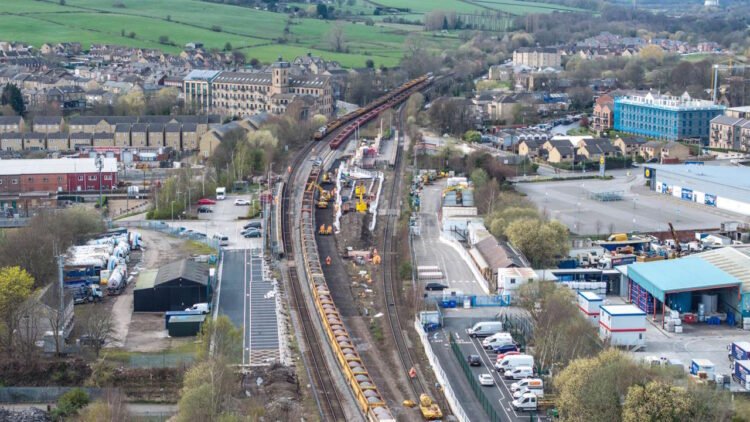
(325, 195)
(325, 231)
(361, 205)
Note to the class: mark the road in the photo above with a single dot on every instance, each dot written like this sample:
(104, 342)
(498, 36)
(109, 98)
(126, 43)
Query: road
(430, 250)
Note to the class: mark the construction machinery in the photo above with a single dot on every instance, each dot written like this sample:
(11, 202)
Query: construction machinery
(327, 178)
(677, 246)
(325, 231)
(361, 205)
(430, 410)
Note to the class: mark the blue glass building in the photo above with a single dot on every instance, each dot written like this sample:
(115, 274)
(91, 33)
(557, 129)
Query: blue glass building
(665, 117)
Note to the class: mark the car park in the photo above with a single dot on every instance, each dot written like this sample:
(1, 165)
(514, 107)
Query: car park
(519, 372)
(504, 348)
(486, 379)
(241, 202)
(474, 360)
(435, 287)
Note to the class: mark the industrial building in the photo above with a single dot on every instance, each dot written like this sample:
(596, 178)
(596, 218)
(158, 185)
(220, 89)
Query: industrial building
(722, 187)
(622, 325)
(590, 303)
(57, 175)
(665, 117)
(173, 287)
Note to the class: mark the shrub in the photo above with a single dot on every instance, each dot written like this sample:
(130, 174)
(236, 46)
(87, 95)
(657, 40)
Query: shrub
(70, 403)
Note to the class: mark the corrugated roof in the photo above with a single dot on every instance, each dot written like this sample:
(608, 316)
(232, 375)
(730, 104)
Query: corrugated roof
(55, 166)
(679, 275)
(196, 272)
(735, 261)
(146, 279)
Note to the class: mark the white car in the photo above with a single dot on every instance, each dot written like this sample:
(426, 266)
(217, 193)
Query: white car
(241, 202)
(486, 379)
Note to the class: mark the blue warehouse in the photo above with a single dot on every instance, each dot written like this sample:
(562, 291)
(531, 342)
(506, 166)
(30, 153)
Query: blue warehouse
(665, 117)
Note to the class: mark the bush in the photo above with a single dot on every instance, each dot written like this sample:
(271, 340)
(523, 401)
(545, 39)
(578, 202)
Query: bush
(216, 28)
(404, 270)
(70, 403)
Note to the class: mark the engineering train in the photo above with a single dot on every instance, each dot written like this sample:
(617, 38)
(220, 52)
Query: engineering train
(374, 106)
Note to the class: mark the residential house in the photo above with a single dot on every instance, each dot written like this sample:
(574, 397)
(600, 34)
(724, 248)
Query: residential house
(501, 108)
(602, 118)
(156, 135)
(731, 130)
(11, 124)
(651, 150)
(48, 124)
(88, 124)
(122, 134)
(34, 141)
(190, 136)
(139, 135)
(69, 97)
(629, 146)
(57, 141)
(594, 149)
(172, 132)
(675, 151)
(558, 151)
(11, 141)
(80, 139)
(103, 139)
(529, 148)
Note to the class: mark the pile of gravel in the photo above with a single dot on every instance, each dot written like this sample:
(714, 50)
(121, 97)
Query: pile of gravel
(26, 415)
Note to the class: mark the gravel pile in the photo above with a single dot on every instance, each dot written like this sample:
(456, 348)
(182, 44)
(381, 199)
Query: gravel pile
(26, 415)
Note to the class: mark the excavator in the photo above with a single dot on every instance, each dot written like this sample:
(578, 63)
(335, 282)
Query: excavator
(325, 195)
(325, 231)
(361, 205)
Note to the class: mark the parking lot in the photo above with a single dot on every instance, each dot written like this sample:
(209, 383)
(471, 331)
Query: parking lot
(639, 210)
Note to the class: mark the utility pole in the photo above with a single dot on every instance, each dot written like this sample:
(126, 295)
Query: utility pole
(99, 161)
(61, 306)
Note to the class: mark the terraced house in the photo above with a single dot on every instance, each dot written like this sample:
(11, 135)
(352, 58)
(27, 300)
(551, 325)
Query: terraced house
(243, 94)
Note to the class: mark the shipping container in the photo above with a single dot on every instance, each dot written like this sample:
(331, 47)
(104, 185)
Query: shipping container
(185, 325)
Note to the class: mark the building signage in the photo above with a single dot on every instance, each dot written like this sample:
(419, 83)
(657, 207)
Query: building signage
(710, 199)
(687, 194)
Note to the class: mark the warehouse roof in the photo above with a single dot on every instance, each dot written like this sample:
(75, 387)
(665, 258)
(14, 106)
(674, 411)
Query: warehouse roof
(146, 279)
(734, 260)
(679, 275)
(55, 166)
(186, 269)
(732, 182)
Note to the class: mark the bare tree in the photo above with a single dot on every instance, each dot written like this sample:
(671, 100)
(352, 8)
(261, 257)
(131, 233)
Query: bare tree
(336, 38)
(29, 331)
(97, 324)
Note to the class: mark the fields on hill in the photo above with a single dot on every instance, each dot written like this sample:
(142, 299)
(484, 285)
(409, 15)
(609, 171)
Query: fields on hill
(259, 34)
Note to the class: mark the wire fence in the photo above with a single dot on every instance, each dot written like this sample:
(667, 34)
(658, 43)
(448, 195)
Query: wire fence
(163, 227)
(486, 403)
(18, 395)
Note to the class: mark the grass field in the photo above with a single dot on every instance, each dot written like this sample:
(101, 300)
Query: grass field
(516, 7)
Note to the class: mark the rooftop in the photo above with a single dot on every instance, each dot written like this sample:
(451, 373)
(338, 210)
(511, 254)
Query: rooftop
(683, 102)
(679, 275)
(55, 166)
(186, 269)
(590, 296)
(717, 180)
(622, 310)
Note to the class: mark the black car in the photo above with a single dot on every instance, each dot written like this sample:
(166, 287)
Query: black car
(203, 210)
(474, 360)
(252, 225)
(435, 287)
(251, 233)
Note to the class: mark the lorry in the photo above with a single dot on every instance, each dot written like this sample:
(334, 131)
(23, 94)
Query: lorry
(739, 350)
(741, 372)
(87, 294)
(221, 193)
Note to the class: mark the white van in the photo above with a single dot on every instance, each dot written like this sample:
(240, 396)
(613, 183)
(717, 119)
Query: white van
(516, 386)
(519, 372)
(202, 307)
(525, 402)
(514, 361)
(485, 328)
(489, 342)
(536, 386)
(222, 238)
(497, 342)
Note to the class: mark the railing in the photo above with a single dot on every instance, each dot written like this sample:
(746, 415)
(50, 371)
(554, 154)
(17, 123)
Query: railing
(474, 383)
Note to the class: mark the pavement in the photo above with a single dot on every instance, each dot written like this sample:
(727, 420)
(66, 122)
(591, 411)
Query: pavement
(430, 250)
(640, 210)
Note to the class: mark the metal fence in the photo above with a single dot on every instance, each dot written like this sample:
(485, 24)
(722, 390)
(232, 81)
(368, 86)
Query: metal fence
(163, 227)
(475, 301)
(474, 383)
(161, 360)
(17, 395)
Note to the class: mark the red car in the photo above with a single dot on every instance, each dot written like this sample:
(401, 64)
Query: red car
(206, 201)
(502, 356)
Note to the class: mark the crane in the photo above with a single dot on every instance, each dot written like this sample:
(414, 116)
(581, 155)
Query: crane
(677, 246)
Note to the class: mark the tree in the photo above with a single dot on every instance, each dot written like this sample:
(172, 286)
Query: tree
(479, 177)
(472, 136)
(70, 403)
(164, 39)
(163, 101)
(220, 339)
(369, 64)
(322, 11)
(451, 115)
(657, 401)
(97, 324)
(652, 53)
(542, 242)
(15, 288)
(207, 389)
(227, 46)
(13, 97)
(110, 408)
(336, 38)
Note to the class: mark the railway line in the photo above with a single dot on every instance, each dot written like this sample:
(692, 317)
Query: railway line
(369, 399)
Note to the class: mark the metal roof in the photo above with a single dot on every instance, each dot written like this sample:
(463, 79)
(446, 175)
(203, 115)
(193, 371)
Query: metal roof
(734, 260)
(622, 310)
(146, 279)
(731, 182)
(679, 275)
(196, 272)
(55, 166)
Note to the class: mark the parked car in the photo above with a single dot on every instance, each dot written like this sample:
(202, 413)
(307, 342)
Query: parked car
(502, 356)
(251, 233)
(486, 379)
(252, 225)
(241, 202)
(206, 201)
(474, 360)
(435, 286)
(512, 347)
(201, 307)
(87, 340)
(204, 209)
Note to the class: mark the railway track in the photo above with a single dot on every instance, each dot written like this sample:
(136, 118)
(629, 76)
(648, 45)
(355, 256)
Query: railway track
(390, 273)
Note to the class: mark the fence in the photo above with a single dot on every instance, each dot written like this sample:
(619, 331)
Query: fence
(17, 395)
(476, 301)
(475, 386)
(441, 376)
(163, 227)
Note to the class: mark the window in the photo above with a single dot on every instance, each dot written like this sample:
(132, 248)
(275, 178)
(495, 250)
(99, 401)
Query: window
(107, 177)
(14, 181)
(92, 178)
(45, 180)
(1, 181)
(30, 180)
(80, 178)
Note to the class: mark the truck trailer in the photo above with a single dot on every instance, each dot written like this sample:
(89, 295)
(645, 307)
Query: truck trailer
(739, 350)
